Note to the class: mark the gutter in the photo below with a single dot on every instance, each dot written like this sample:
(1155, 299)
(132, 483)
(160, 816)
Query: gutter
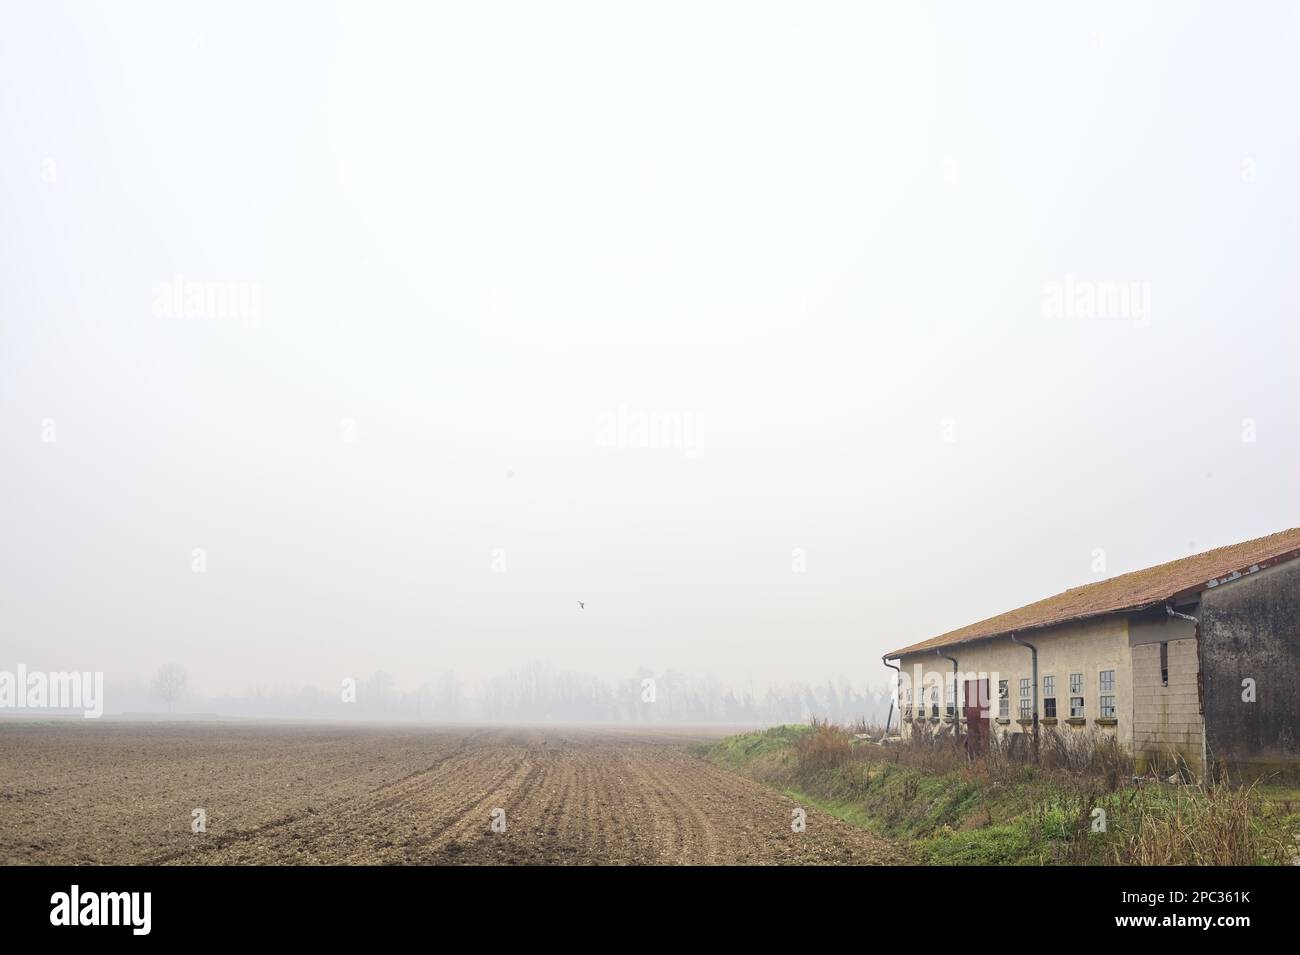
(894, 696)
(1034, 650)
(956, 710)
(1200, 690)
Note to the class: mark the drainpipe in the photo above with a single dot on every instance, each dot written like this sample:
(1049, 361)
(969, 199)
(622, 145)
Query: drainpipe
(1034, 651)
(1200, 686)
(893, 696)
(956, 709)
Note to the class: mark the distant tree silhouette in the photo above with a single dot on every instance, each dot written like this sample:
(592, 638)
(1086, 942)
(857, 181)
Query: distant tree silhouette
(538, 691)
(171, 684)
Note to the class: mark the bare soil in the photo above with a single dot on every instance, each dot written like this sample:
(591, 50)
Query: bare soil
(78, 792)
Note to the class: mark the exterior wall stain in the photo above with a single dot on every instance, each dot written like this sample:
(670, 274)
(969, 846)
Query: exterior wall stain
(1250, 630)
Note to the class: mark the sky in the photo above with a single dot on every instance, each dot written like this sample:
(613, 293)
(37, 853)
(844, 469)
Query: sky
(347, 337)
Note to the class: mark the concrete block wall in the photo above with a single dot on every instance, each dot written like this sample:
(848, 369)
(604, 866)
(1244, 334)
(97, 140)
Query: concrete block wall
(1167, 724)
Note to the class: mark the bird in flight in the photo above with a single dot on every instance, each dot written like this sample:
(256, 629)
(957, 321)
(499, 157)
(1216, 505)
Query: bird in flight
(581, 605)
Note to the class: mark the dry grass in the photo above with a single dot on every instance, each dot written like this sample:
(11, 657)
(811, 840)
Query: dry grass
(1094, 757)
(1194, 827)
(1007, 805)
(826, 747)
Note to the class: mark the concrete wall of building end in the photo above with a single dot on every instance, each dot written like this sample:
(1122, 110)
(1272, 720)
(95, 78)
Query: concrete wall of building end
(1250, 659)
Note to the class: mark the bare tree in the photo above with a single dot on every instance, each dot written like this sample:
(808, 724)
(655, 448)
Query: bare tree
(170, 684)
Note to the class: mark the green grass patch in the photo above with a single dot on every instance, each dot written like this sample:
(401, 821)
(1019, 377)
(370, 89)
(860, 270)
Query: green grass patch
(737, 752)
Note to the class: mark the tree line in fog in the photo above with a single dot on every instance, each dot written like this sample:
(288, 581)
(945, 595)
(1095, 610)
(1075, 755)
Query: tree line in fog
(532, 693)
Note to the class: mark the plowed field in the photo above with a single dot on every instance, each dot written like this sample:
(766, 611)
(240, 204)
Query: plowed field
(98, 793)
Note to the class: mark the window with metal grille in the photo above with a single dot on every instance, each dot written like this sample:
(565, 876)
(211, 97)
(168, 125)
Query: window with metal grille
(1026, 705)
(1004, 699)
(1106, 704)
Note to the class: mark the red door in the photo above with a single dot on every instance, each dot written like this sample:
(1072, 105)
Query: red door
(976, 711)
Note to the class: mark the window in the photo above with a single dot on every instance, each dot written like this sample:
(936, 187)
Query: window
(934, 701)
(950, 695)
(1164, 664)
(1004, 699)
(1049, 697)
(1076, 695)
(1106, 683)
(1025, 704)
(1076, 707)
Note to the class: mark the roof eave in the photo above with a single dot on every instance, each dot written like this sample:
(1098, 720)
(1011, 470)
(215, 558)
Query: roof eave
(920, 648)
(1185, 594)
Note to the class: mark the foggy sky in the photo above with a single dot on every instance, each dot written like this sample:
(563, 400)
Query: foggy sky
(470, 250)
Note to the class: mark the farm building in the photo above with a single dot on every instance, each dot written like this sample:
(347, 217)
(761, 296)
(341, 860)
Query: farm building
(1193, 664)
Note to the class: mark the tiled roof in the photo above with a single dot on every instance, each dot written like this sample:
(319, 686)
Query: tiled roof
(1127, 591)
